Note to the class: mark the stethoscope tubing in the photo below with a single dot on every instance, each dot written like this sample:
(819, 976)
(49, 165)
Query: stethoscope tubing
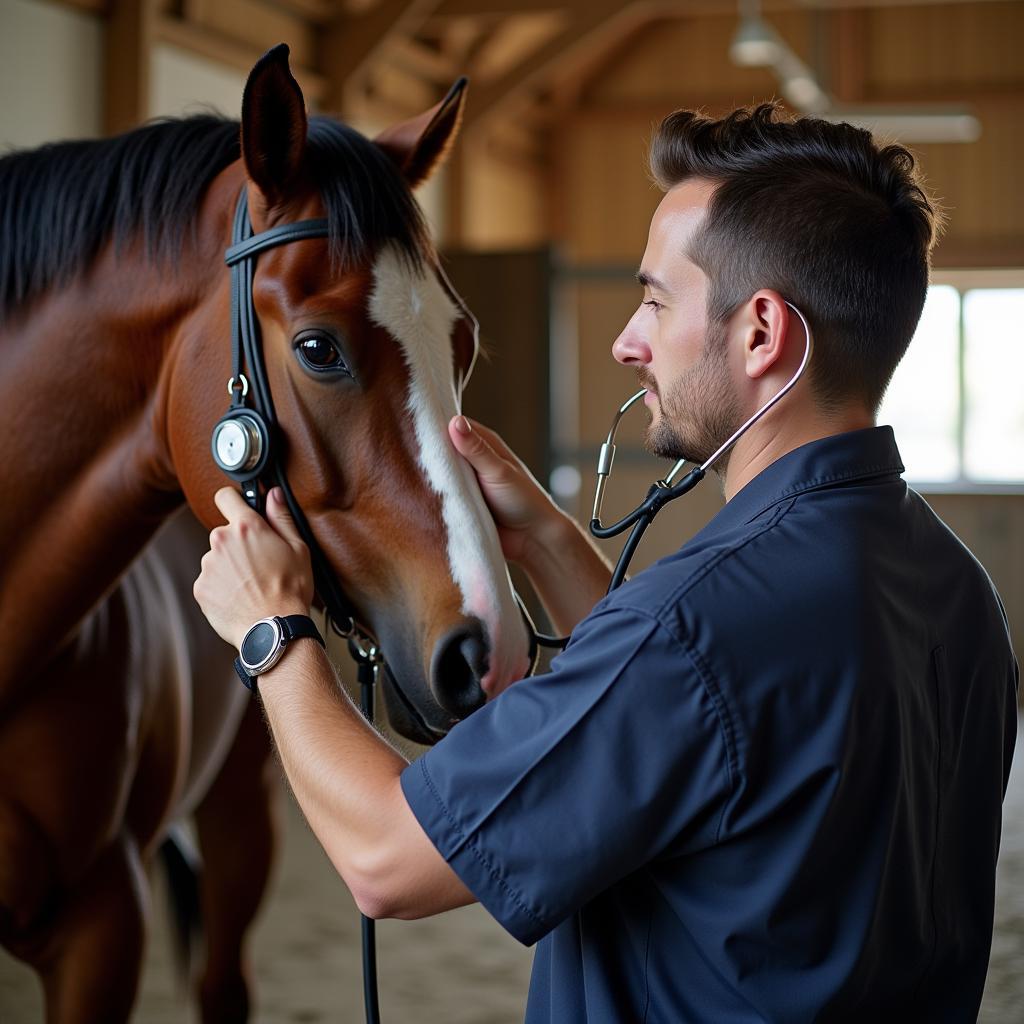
(662, 492)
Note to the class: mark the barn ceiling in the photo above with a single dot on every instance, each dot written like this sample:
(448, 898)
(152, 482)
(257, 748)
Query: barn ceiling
(528, 60)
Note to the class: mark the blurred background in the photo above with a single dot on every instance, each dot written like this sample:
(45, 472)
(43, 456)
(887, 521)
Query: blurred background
(542, 214)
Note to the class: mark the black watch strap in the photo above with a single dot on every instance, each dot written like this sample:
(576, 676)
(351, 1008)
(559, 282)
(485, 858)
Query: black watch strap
(293, 627)
(248, 681)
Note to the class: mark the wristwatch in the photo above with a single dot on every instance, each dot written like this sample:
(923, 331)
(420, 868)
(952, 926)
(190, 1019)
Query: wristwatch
(265, 642)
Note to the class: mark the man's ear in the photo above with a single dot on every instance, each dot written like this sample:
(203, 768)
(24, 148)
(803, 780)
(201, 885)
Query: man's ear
(420, 145)
(764, 332)
(273, 126)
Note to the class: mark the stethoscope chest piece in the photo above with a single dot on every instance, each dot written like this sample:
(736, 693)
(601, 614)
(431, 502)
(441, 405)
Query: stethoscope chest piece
(240, 443)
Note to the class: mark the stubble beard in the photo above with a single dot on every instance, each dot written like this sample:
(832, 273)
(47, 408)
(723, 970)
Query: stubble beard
(698, 412)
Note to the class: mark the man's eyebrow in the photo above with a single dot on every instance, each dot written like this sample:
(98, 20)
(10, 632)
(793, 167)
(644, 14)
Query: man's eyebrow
(646, 280)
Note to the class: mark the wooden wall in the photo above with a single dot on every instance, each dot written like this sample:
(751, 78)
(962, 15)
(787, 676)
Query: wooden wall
(50, 73)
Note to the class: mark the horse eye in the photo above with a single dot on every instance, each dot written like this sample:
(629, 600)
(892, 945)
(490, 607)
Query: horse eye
(319, 353)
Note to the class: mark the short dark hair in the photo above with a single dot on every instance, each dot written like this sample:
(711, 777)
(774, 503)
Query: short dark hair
(817, 212)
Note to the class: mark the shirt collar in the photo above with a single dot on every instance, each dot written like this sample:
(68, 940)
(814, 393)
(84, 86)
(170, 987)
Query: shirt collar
(827, 462)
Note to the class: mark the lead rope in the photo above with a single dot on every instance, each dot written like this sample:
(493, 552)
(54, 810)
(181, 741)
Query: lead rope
(368, 659)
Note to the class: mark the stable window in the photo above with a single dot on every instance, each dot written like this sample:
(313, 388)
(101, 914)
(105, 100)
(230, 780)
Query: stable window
(956, 400)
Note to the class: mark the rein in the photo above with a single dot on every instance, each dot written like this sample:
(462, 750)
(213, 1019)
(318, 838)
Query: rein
(247, 445)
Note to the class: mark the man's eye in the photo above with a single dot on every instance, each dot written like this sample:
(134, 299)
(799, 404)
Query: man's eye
(320, 354)
(653, 304)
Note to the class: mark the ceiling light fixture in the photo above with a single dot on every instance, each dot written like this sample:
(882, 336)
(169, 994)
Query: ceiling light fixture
(757, 44)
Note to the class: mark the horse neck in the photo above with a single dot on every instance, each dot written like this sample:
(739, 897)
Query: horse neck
(83, 375)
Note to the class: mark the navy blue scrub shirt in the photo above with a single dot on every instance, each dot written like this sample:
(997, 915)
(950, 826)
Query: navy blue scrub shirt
(764, 781)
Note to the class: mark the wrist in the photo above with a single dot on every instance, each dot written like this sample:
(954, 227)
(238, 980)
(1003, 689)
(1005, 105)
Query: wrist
(301, 656)
(266, 642)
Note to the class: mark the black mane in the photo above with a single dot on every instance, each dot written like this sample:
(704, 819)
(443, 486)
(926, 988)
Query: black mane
(62, 203)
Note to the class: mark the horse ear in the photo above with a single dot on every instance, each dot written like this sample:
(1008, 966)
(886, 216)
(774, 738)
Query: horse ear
(273, 125)
(420, 145)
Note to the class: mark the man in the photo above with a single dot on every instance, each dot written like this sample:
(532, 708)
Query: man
(764, 780)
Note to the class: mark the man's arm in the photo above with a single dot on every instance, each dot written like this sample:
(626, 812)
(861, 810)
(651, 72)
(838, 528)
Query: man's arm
(346, 779)
(565, 567)
(344, 775)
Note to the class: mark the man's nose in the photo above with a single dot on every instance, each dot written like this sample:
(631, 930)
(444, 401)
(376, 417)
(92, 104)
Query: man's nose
(631, 347)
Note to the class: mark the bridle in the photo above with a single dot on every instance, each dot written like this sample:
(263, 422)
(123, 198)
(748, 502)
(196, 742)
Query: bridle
(247, 446)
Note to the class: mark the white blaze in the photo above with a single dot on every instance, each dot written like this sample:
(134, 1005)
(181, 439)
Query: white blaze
(417, 312)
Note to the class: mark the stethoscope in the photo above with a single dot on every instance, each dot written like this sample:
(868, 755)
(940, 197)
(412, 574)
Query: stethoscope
(663, 491)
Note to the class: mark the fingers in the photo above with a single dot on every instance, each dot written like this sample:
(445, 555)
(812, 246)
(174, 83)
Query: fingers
(280, 518)
(485, 451)
(494, 440)
(472, 446)
(253, 568)
(234, 509)
(232, 505)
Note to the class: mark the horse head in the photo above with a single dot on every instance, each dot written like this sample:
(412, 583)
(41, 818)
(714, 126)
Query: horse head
(367, 348)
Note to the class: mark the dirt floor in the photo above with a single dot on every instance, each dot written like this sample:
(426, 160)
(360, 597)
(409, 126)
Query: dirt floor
(460, 968)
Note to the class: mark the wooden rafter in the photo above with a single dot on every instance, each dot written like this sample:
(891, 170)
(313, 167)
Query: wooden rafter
(226, 50)
(351, 42)
(591, 27)
(512, 41)
(498, 8)
(318, 12)
(427, 62)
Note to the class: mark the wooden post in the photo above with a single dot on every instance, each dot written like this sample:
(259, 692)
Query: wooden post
(128, 48)
(849, 55)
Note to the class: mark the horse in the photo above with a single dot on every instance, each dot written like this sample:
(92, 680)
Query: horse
(119, 714)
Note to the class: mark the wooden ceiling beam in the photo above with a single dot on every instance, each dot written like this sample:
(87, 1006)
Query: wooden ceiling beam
(508, 8)
(590, 29)
(499, 8)
(254, 23)
(319, 12)
(424, 61)
(234, 53)
(352, 41)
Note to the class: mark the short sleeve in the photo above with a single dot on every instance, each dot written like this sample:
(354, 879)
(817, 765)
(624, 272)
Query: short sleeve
(570, 781)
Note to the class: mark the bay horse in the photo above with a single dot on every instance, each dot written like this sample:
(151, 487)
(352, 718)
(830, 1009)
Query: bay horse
(119, 712)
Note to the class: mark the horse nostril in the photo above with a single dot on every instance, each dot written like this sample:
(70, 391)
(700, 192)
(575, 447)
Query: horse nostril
(459, 663)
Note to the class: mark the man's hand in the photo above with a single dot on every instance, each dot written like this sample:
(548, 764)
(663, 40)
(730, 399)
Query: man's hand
(566, 569)
(255, 568)
(523, 511)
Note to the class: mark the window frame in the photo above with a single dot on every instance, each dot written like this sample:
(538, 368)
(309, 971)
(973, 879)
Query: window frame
(965, 280)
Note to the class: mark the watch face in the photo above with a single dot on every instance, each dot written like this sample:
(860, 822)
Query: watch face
(260, 642)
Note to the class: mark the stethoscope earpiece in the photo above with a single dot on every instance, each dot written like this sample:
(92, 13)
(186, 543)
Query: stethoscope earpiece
(663, 491)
